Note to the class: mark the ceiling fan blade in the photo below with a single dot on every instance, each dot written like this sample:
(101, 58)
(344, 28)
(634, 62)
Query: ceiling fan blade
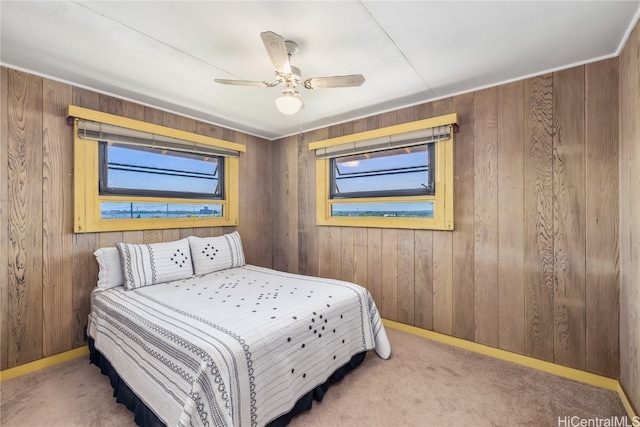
(241, 82)
(334, 81)
(277, 51)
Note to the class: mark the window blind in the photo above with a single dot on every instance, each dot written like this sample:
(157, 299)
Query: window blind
(407, 139)
(97, 131)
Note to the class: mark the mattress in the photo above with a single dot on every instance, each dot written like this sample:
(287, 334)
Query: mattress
(235, 347)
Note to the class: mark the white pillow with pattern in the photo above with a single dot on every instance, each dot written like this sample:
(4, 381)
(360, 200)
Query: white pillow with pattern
(150, 264)
(216, 253)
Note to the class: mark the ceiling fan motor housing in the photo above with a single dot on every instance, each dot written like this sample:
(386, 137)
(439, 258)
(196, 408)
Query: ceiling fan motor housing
(292, 47)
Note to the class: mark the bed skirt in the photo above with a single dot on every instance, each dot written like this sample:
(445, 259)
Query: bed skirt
(145, 417)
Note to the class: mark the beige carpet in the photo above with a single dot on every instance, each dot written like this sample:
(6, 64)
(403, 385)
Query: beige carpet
(424, 384)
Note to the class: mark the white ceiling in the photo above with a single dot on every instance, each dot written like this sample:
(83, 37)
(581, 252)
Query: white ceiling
(167, 53)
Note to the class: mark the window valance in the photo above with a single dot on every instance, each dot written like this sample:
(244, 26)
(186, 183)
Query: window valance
(98, 126)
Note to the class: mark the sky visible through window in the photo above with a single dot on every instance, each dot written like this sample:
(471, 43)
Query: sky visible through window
(161, 170)
(134, 168)
(403, 169)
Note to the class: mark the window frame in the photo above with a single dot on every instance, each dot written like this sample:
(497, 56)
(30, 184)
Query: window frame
(384, 193)
(444, 181)
(87, 197)
(106, 189)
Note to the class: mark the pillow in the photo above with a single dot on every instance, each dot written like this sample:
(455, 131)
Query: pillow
(216, 253)
(110, 273)
(145, 265)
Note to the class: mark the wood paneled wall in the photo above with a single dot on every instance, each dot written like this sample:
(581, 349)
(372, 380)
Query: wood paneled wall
(46, 271)
(630, 217)
(532, 265)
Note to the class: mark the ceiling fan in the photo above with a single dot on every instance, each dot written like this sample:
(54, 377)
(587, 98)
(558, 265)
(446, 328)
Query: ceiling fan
(280, 52)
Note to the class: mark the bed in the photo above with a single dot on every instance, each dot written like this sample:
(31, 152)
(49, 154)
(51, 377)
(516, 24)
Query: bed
(201, 338)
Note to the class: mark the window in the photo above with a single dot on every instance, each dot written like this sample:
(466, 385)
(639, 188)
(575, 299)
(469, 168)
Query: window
(397, 172)
(142, 171)
(138, 210)
(131, 175)
(397, 177)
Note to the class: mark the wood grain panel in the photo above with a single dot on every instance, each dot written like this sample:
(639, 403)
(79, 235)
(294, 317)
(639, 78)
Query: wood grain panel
(345, 128)
(112, 105)
(374, 262)
(423, 111)
(24, 109)
(486, 216)
(629, 218)
(324, 252)
(109, 239)
(389, 274)
(201, 232)
(85, 278)
(405, 115)
(569, 217)
(255, 212)
(335, 251)
(378, 121)
(443, 267)
(84, 265)
(57, 226)
(152, 115)
(136, 237)
(168, 235)
(602, 253)
(511, 217)
(132, 110)
(632, 368)
(206, 129)
(627, 166)
(184, 123)
(406, 277)
(360, 257)
(423, 298)
(292, 203)
(151, 236)
(191, 125)
(4, 221)
(261, 208)
(281, 226)
(463, 236)
(306, 205)
(538, 221)
(347, 254)
(442, 274)
(85, 98)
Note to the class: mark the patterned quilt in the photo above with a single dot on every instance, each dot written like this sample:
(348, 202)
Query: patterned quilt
(234, 347)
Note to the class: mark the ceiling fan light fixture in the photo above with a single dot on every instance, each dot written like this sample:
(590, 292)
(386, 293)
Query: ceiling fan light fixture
(280, 52)
(288, 104)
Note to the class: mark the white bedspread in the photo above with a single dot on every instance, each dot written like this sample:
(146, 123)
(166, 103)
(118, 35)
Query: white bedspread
(235, 347)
